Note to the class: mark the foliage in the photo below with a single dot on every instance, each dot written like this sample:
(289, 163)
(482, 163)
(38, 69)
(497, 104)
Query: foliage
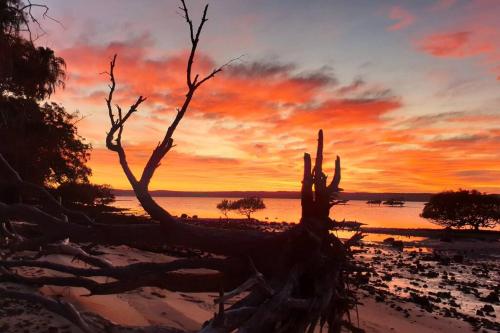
(247, 206)
(225, 206)
(84, 194)
(27, 70)
(39, 140)
(463, 208)
(42, 142)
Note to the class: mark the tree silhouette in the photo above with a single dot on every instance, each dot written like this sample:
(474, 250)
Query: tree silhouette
(42, 142)
(463, 208)
(225, 206)
(27, 70)
(39, 139)
(248, 206)
(84, 194)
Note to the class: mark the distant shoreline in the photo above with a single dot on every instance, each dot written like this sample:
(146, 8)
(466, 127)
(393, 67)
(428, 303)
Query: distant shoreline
(416, 197)
(434, 233)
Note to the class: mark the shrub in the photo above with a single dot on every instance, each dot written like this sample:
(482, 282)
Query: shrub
(247, 206)
(85, 194)
(225, 206)
(463, 208)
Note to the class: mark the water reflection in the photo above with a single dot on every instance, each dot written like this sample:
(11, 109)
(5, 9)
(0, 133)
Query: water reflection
(288, 210)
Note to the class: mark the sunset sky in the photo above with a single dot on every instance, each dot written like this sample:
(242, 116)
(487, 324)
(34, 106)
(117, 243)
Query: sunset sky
(407, 92)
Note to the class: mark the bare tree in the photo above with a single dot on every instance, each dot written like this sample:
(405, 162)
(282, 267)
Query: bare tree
(296, 279)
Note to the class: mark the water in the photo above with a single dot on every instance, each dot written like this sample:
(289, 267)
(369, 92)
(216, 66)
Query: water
(288, 210)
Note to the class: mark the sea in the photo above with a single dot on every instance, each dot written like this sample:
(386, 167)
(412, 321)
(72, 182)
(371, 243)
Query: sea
(288, 210)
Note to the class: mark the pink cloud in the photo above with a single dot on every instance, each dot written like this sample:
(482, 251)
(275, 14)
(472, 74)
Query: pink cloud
(454, 45)
(402, 17)
(473, 32)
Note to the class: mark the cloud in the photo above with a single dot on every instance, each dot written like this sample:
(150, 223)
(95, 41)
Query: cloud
(461, 138)
(430, 119)
(321, 77)
(472, 32)
(344, 113)
(355, 86)
(249, 127)
(460, 44)
(259, 69)
(479, 175)
(402, 17)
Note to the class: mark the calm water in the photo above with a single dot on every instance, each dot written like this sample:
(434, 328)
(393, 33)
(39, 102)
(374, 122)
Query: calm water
(288, 210)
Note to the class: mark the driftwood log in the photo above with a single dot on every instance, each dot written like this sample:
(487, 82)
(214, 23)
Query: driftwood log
(293, 281)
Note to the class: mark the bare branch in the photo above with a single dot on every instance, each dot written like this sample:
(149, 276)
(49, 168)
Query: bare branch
(111, 89)
(195, 38)
(123, 272)
(77, 252)
(117, 125)
(27, 17)
(188, 20)
(215, 71)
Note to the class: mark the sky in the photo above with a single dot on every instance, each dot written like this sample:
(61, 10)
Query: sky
(407, 92)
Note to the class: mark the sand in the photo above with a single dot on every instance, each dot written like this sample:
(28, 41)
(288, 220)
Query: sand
(152, 306)
(379, 317)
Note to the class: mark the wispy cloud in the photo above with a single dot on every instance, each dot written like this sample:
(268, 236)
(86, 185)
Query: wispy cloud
(402, 17)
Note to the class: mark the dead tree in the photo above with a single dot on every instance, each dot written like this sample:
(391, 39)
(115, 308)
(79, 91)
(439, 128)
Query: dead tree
(295, 280)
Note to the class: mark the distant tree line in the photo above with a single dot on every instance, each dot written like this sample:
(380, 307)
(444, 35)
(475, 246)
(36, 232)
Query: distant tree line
(246, 206)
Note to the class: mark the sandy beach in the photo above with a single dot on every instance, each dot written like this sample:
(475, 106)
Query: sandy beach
(425, 286)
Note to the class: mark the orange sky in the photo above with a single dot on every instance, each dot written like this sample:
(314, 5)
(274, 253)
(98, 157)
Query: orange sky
(407, 96)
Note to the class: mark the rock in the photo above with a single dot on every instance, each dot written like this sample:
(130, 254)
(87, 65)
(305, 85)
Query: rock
(387, 277)
(398, 244)
(491, 298)
(479, 313)
(423, 301)
(458, 258)
(389, 240)
(471, 320)
(432, 274)
(443, 294)
(488, 308)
